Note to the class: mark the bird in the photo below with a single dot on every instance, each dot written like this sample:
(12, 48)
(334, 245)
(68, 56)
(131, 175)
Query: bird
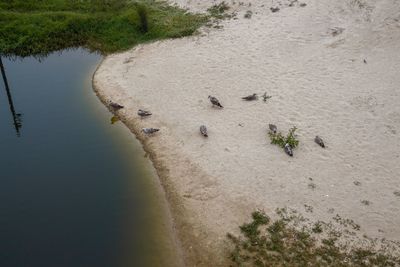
(143, 113)
(274, 9)
(273, 128)
(319, 141)
(215, 101)
(115, 106)
(288, 149)
(250, 97)
(365, 61)
(150, 130)
(203, 130)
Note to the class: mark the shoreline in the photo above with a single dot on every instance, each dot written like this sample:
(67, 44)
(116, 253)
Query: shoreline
(328, 73)
(196, 255)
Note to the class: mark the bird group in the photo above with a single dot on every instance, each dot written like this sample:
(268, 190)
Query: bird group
(203, 129)
(142, 113)
(287, 147)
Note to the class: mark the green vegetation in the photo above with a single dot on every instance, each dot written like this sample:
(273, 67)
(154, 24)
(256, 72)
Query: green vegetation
(39, 27)
(291, 240)
(218, 11)
(280, 140)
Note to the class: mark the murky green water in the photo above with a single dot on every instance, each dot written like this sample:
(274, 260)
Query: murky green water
(75, 190)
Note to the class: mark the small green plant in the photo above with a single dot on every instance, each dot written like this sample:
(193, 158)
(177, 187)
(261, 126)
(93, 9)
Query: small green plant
(358, 3)
(366, 202)
(218, 10)
(291, 240)
(280, 140)
(317, 228)
(248, 14)
(312, 186)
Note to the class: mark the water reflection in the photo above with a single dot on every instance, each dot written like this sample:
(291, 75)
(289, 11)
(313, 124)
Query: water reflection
(17, 117)
(75, 190)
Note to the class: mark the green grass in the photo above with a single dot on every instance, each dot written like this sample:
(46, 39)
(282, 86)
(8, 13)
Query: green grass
(292, 240)
(39, 27)
(218, 11)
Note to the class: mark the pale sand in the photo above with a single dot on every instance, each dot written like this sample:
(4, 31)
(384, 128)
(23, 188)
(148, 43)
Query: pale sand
(319, 83)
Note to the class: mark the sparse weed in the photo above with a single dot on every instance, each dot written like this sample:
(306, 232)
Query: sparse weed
(366, 202)
(280, 140)
(290, 240)
(358, 3)
(218, 11)
(312, 186)
(248, 14)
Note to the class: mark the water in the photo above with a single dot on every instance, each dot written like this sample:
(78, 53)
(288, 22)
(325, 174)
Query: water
(75, 190)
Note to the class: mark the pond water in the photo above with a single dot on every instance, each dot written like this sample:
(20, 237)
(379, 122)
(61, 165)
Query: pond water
(75, 190)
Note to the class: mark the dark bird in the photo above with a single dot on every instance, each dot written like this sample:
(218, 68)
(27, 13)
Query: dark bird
(273, 128)
(203, 130)
(150, 130)
(274, 9)
(365, 61)
(319, 141)
(115, 106)
(288, 150)
(250, 97)
(215, 101)
(143, 113)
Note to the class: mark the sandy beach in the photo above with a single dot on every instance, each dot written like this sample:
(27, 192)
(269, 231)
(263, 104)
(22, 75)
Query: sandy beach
(332, 69)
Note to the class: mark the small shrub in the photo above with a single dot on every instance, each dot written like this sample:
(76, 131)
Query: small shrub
(218, 10)
(366, 202)
(260, 217)
(280, 140)
(248, 14)
(317, 228)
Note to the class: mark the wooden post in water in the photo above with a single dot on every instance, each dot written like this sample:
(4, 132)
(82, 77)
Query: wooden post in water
(16, 116)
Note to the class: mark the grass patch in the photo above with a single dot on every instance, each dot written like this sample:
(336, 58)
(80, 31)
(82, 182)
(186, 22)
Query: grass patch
(218, 11)
(281, 140)
(291, 240)
(39, 27)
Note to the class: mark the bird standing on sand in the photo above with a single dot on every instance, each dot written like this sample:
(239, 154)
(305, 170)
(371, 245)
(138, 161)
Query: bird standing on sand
(203, 130)
(215, 101)
(143, 113)
(250, 97)
(273, 128)
(115, 106)
(319, 141)
(149, 131)
(288, 149)
(274, 9)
